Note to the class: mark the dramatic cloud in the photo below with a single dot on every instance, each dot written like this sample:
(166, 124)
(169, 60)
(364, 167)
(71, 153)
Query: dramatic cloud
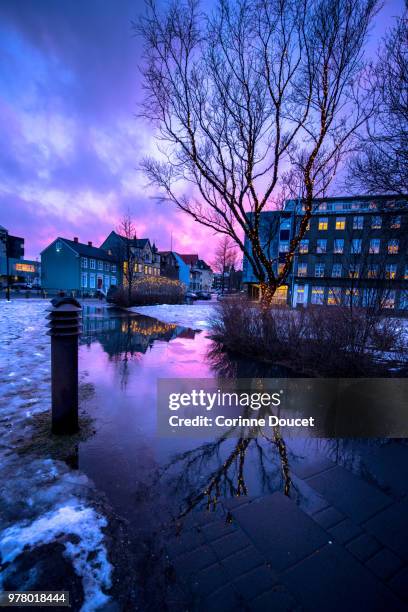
(71, 145)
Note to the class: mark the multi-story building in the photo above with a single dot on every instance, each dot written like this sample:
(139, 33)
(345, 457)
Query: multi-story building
(354, 251)
(200, 273)
(18, 268)
(71, 266)
(144, 255)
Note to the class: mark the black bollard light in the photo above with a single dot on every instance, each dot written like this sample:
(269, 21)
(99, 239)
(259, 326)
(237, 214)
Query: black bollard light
(64, 329)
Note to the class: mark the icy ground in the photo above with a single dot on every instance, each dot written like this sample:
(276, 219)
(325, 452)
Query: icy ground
(42, 501)
(195, 316)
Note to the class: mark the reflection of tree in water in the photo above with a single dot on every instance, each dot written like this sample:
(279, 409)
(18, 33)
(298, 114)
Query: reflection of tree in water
(198, 482)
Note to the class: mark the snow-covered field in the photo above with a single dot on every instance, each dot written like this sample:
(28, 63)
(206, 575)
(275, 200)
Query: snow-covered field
(195, 316)
(42, 501)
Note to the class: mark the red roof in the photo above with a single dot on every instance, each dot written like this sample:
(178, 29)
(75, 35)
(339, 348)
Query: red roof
(190, 260)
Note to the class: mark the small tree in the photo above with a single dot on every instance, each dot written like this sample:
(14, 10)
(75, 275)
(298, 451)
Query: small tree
(225, 258)
(260, 93)
(381, 166)
(125, 251)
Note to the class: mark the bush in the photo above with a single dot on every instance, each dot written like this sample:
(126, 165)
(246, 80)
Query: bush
(151, 290)
(315, 341)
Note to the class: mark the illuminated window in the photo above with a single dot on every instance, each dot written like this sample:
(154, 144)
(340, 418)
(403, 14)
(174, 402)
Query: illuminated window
(373, 271)
(391, 271)
(354, 271)
(284, 247)
(300, 295)
(321, 246)
(356, 245)
(336, 271)
(84, 282)
(389, 300)
(374, 246)
(145, 270)
(84, 262)
(352, 297)
(396, 222)
(376, 222)
(319, 269)
(323, 223)
(92, 264)
(113, 280)
(317, 295)
(358, 222)
(339, 245)
(304, 246)
(24, 267)
(150, 270)
(302, 269)
(340, 223)
(92, 281)
(334, 296)
(393, 247)
(281, 294)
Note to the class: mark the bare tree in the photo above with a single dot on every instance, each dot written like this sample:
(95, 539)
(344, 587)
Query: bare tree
(225, 258)
(381, 166)
(258, 93)
(124, 250)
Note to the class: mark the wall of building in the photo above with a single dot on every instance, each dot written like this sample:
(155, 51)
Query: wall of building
(60, 269)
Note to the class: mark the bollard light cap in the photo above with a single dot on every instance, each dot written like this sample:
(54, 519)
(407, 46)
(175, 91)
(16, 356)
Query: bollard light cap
(60, 302)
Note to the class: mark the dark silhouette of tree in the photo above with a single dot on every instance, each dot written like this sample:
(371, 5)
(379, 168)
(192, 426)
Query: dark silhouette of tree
(381, 165)
(257, 95)
(225, 258)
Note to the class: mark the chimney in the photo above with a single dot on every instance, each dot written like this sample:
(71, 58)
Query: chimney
(89, 242)
(75, 238)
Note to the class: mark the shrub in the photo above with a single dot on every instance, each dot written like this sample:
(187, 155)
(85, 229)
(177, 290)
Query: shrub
(151, 290)
(316, 341)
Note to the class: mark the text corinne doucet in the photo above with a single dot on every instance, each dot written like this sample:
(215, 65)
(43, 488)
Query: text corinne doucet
(222, 421)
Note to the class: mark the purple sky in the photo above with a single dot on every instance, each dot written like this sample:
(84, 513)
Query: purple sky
(70, 143)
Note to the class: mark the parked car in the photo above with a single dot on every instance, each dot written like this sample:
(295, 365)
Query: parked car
(190, 295)
(19, 286)
(204, 295)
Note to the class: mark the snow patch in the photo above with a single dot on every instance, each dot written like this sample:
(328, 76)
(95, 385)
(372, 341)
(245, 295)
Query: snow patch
(195, 316)
(72, 518)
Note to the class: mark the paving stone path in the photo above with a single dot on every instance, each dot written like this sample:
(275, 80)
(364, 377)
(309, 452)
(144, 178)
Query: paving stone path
(344, 548)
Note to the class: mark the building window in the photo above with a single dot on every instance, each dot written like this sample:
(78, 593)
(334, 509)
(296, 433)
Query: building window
(113, 268)
(84, 279)
(92, 264)
(396, 222)
(334, 296)
(113, 280)
(319, 269)
(370, 297)
(356, 245)
(373, 271)
(390, 270)
(406, 272)
(358, 222)
(84, 262)
(145, 269)
(336, 271)
(284, 247)
(304, 246)
(376, 222)
(340, 223)
(389, 300)
(354, 271)
(404, 300)
(150, 270)
(317, 295)
(92, 281)
(351, 297)
(323, 223)
(339, 245)
(321, 246)
(300, 295)
(107, 267)
(374, 246)
(393, 247)
(107, 281)
(100, 265)
(302, 269)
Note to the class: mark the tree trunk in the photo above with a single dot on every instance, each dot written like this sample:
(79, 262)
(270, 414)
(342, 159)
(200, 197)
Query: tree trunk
(268, 290)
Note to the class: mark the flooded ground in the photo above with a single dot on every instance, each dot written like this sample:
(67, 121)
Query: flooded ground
(111, 498)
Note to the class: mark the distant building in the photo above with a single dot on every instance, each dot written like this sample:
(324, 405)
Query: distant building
(200, 273)
(355, 250)
(70, 265)
(20, 270)
(169, 264)
(144, 254)
(231, 280)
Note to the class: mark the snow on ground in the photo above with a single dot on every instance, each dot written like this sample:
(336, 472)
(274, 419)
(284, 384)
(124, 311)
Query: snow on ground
(41, 500)
(195, 316)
